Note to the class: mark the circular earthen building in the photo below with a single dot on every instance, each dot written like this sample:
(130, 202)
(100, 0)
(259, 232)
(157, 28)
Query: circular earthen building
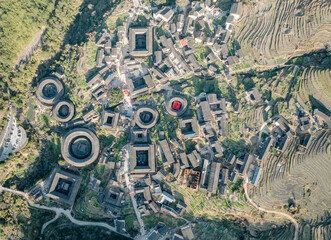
(176, 105)
(80, 147)
(49, 91)
(146, 116)
(64, 111)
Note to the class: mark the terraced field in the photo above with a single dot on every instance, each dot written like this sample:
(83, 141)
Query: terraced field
(316, 83)
(279, 29)
(303, 179)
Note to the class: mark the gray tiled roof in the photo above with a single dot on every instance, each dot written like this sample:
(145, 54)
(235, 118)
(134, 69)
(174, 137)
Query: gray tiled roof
(213, 177)
(166, 151)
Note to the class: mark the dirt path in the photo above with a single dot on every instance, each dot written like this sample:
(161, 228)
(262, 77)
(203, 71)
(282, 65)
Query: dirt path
(296, 224)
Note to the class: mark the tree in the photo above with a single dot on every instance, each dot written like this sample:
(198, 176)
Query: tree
(115, 96)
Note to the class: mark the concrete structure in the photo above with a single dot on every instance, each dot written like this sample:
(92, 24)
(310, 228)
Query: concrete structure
(80, 147)
(168, 210)
(141, 41)
(176, 105)
(204, 175)
(155, 208)
(177, 237)
(12, 138)
(64, 111)
(90, 115)
(64, 187)
(206, 112)
(146, 116)
(49, 91)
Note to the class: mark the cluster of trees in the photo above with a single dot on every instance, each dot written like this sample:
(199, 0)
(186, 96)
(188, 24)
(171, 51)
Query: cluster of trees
(115, 96)
(67, 22)
(20, 20)
(18, 220)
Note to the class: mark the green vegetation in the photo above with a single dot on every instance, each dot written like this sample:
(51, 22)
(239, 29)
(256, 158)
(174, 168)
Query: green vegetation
(132, 225)
(242, 65)
(235, 146)
(200, 54)
(159, 31)
(149, 62)
(57, 25)
(225, 5)
(121, 18)
(115, 96)
(236, 186)
(64, 229)
(198, 85)
(142, 21)
(213, 207)
(234, 127)
(220, 21)
(69, 25)
(121, 141)
(190, 146)
(43, 163)
(20, 21)
(153, 219)
(17, 218)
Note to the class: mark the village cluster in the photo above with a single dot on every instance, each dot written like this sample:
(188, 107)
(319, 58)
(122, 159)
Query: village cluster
(169, 43)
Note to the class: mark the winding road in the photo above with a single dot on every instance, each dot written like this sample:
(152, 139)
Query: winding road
(59, 212)
(292, 219)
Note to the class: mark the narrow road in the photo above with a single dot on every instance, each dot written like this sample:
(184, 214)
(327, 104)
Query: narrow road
(292, 219)
(60, 211)
(49, 222)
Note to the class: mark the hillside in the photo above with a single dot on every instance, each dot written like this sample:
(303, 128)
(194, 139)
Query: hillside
(272, 31)
(20, 21)
(300, 183)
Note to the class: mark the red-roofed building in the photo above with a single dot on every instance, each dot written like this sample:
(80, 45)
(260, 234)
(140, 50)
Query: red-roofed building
(176, 105)
(183, 42)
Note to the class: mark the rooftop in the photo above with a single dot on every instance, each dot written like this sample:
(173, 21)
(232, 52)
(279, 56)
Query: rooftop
(142, 159)
(141, 41)
(109, 119)
(80, 147)
(64, 187)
